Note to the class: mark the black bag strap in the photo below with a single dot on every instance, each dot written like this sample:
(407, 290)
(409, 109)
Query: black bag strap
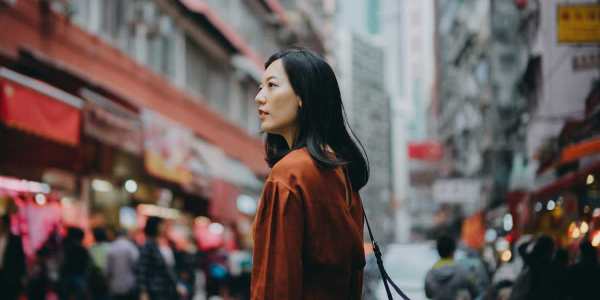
(384, 275)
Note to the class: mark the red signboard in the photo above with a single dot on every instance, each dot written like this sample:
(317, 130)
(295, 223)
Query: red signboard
(31, 110)
(428, 151)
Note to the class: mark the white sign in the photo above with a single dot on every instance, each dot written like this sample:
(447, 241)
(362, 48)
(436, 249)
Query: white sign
(457, 191)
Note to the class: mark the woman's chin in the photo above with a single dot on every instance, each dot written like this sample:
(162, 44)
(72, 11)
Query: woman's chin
(264, 127)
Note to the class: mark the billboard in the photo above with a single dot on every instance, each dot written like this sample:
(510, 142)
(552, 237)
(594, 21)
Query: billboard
(578, 23)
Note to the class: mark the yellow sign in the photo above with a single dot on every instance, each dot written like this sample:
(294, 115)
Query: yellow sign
(578, 23)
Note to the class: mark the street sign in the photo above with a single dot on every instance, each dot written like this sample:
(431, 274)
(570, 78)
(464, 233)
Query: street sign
(457, 191)
(578, 23)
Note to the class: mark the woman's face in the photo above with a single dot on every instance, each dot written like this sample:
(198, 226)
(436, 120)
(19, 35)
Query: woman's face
(277, 103)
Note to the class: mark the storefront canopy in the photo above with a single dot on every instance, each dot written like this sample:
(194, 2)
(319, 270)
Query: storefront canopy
(38, 108)
(565, 182)
(222, 167)
(579, 150)
(111, 123)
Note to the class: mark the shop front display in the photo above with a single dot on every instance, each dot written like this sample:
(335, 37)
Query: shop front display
(35, 211)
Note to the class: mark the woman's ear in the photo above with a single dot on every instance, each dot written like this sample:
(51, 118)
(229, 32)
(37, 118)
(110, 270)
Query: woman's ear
(299, 102)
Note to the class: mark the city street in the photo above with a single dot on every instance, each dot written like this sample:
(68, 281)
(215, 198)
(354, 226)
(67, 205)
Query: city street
(232, 149)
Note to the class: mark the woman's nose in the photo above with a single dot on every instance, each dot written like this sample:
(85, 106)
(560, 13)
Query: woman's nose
(260, 98)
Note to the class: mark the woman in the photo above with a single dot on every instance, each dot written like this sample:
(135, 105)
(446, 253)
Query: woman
(156, 266)
(308, 231)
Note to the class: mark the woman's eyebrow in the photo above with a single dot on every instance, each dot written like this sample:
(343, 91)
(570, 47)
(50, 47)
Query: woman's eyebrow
(271, 77)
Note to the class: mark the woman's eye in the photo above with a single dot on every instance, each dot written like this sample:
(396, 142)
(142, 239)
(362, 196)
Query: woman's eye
(270, 84)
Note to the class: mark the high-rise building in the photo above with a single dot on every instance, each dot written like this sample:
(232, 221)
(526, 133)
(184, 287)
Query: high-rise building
(408, 37)
(360, 66)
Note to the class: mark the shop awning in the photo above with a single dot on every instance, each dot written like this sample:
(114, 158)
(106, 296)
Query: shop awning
(38, 108)
(565, 182)
(92, 60)
(222, 167)
(579, 150)
(111, 123)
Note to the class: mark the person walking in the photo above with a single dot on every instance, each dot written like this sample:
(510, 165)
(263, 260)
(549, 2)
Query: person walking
(75, 267)
(539, 278)
(99, 249)
(97, 280)
(308, 230)
(583, 276)
(156, 266)
(121, 259)
(448, 280)
(12, 261)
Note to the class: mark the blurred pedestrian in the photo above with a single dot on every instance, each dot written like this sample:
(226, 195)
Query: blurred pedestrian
(476, 269)
(43, 276)
(539, 277)
(561, 264)
(97, 281)
(584, 275)
(185, 267)
(156, 275)
(218, 276)
(75, 266)
(509, 271)
(121, 260)
(308, 230)
(100, 247)
(12, 261)
(447, 279)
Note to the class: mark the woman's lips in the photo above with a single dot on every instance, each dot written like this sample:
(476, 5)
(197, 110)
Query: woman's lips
(262, 113)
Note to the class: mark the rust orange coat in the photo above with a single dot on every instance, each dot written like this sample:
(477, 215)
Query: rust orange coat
(308, 238)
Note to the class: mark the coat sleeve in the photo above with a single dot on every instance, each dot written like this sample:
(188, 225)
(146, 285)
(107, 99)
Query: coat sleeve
(278, 242)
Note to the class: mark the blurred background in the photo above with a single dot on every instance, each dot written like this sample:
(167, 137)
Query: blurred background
(481, 120)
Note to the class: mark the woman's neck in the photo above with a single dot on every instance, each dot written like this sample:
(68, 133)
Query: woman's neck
(290, 136)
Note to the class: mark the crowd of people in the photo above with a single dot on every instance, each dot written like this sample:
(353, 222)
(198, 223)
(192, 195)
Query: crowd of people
(537, 270)
(114, 266)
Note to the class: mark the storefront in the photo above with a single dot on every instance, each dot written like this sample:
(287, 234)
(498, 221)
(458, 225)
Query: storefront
(567, 206)
(40, 157)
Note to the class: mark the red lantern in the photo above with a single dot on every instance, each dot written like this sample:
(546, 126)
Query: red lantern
(521, 3)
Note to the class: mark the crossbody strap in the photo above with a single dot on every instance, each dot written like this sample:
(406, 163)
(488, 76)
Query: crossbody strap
(384, 275)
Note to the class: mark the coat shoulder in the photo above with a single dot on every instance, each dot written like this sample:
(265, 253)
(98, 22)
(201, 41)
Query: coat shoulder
(297, 165)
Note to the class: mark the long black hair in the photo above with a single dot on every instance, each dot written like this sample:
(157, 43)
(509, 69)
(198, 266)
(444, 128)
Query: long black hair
(321, 119)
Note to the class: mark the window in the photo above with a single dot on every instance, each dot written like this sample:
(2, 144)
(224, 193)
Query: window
(196, 68)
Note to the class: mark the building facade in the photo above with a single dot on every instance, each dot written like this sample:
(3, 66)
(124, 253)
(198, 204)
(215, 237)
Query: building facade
(483, 52)
(360, 65)
(408, 37)
(155, 102)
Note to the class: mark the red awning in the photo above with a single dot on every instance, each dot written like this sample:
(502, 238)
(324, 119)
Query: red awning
(82, 55)
(576, 151)
(565, 182)
(38, 108)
